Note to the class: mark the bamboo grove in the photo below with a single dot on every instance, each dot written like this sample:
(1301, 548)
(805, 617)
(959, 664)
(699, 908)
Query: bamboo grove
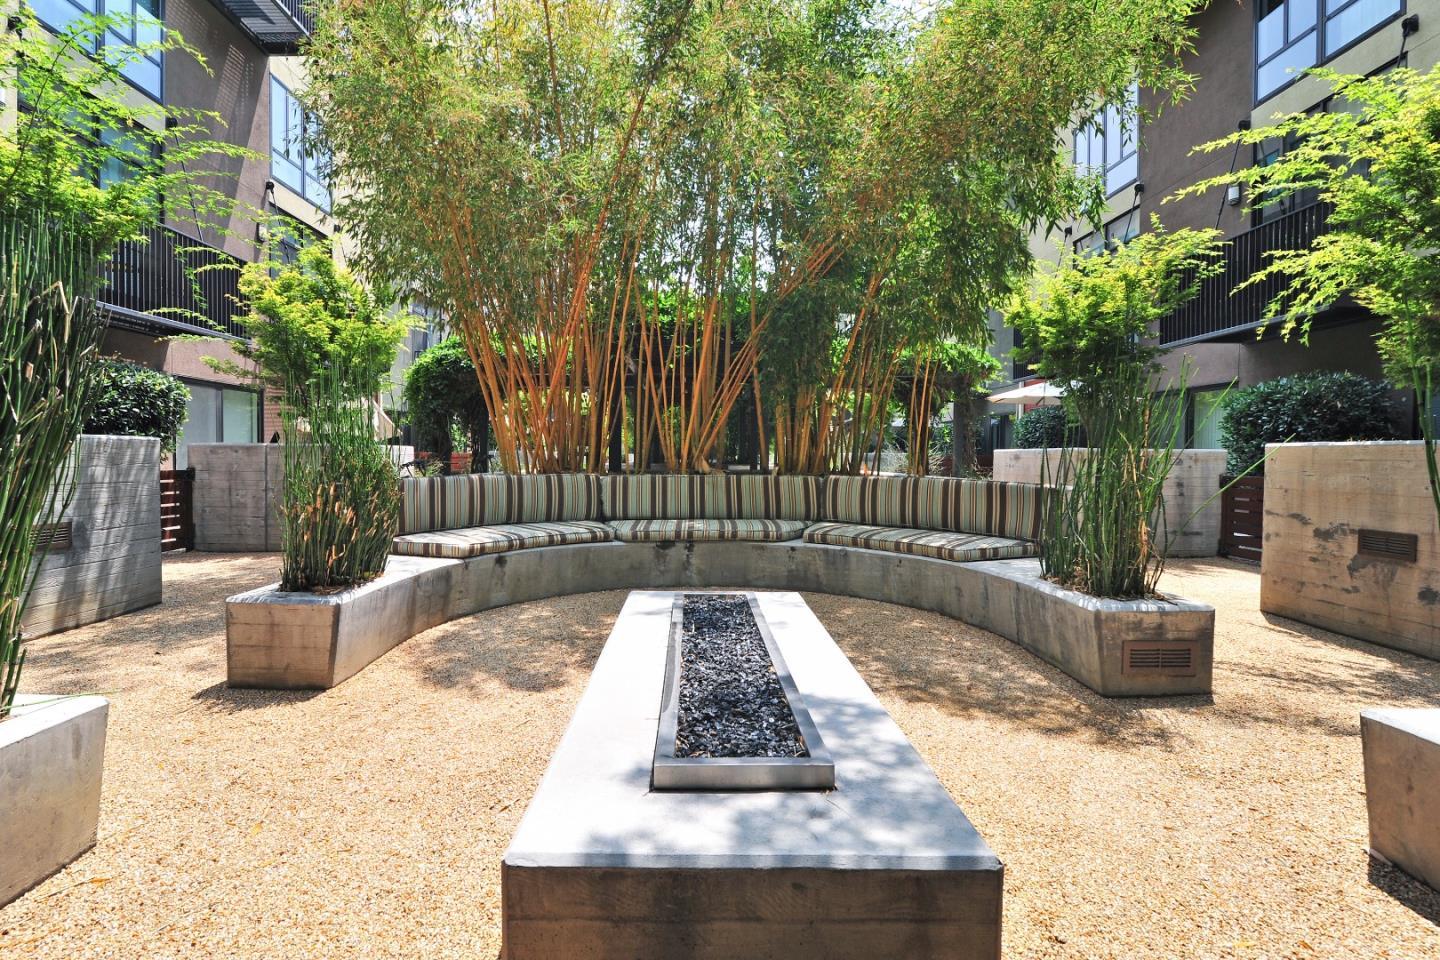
(655, 222)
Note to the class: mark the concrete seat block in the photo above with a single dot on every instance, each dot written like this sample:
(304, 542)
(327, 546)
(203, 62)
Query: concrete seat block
(1402, 788)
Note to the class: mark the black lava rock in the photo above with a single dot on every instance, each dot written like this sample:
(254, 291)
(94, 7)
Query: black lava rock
(731, 702)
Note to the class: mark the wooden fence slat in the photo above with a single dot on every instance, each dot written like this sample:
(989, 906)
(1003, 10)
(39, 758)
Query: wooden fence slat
(1242, 513)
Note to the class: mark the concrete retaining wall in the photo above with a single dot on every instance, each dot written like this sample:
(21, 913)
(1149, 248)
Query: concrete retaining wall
(1318, 497)
(302, 641)
(113, 563)
(1194, 480)
(237, 495)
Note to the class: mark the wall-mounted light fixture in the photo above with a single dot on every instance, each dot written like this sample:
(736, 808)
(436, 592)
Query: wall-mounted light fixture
(1232, 195)
(267, 203)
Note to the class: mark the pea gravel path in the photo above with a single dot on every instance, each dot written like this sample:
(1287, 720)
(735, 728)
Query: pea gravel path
(368, 821)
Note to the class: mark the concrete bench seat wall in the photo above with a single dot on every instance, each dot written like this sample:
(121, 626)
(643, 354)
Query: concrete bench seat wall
(1117, 648)
(1402, 788)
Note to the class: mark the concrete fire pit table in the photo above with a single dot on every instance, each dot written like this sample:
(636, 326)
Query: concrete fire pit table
(604, 866)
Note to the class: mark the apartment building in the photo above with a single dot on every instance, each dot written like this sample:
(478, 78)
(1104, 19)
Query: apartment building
(1246, 62)
(249, 77)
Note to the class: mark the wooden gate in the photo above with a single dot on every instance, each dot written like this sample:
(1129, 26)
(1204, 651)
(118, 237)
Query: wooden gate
(1242, 516)
(177, 520)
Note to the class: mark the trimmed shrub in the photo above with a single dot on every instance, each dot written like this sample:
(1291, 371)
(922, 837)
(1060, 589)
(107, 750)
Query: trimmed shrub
(1040, 428)
(1307, 407)
(135, 401)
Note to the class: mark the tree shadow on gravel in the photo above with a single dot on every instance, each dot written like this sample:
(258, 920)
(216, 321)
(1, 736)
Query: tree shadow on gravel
(533, 646)
(1405, 889)
(223, 699)
(966, 672)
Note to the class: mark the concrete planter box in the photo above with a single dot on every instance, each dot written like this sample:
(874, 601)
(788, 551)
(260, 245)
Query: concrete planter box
(110, 564)
(1194, 480)
(1402, 788)
(1351, 542)
(306, 641)
(52, 753)
(1117, 648)
(237, 495)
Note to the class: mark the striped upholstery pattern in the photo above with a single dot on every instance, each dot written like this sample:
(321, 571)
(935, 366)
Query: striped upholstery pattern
(499, 538)
(937, 503)
(938, 544)
(478, 499)
(711, 497)
(651, 531)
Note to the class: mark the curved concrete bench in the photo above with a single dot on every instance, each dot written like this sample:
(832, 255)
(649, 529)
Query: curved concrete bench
(1117, 648)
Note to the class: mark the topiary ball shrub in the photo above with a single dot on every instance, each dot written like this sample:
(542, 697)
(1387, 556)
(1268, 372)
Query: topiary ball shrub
(1304, 408)
(135, 401)
(1040, 428)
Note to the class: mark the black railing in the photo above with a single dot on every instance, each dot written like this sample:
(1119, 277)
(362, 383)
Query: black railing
(174, 279)
(277, 26)
(1220, 308)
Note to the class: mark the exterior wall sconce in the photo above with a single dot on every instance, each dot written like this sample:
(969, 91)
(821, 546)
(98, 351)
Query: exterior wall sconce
(1232, 195)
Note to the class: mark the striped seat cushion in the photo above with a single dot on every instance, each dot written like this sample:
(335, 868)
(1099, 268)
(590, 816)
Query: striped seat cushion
(939, 544)
(937, 503)
(651, 531)
(711, 497)
(485, 499)
(498, 538)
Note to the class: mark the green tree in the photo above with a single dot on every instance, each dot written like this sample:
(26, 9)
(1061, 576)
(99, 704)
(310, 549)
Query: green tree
(313, 318)
(441, 388)
(80, 170)
(640, 190)
(1090, 325)
(1376, 162)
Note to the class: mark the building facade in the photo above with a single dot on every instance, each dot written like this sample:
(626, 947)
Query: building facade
(1246, 63)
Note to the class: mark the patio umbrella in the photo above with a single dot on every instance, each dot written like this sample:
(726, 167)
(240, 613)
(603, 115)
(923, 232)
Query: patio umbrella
(1039, 394)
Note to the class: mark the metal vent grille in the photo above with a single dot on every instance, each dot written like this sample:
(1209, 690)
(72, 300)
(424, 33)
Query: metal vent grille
(51, 537)
(1172, 659)
(1388, 545)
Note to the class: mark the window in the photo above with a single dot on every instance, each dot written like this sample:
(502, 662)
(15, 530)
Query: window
(137, 23)
(1122, 229)
(218, 414)
(1105, 144)
(1292, 35)
(1205, 411)
(294, 159)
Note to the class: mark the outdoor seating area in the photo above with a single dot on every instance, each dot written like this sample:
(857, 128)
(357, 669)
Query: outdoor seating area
(758, 480)
(374, 816)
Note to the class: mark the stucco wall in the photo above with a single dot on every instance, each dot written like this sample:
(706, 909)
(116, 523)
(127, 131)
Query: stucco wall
(113, 563)
(1194, 480)
(1318, 497)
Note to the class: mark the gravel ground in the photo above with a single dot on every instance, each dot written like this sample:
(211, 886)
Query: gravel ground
(368, 821)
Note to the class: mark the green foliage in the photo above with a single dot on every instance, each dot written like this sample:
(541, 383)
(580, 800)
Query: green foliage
(440, 388)
(1042, 428)
(134, 401)
(1376, 161)
(1305, 408)
(49, 336)
(313, 320)
(1092, 323)
(340, 508)
(57, 229)
(742, 178)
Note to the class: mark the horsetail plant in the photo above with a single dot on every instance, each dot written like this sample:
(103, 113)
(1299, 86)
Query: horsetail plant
(49, 339)
(340, 505)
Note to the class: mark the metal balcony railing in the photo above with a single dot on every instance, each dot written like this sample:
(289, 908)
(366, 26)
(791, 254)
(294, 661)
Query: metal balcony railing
(1221, 311)
(174, 282)
(276, 26)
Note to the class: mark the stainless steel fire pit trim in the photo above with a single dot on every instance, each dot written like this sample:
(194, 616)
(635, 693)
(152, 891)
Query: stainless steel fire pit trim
(669, 772)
